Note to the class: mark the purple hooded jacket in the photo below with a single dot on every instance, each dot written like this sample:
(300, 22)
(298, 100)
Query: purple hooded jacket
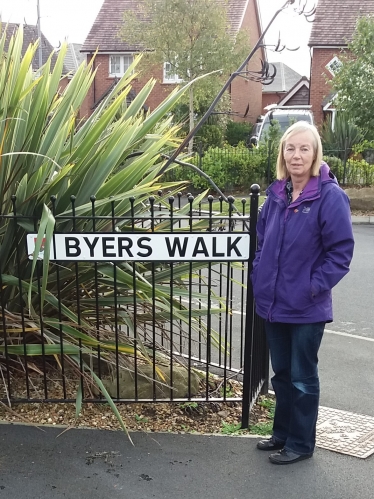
(304, 249)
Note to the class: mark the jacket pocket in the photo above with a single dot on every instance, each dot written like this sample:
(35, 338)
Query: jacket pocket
(296, 298)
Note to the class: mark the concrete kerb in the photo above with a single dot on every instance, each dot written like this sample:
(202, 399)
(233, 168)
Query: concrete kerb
(362, 220)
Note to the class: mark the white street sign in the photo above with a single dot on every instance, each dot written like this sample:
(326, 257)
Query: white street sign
(147, 246)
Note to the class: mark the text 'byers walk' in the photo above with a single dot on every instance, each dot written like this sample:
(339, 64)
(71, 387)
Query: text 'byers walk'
(145, 246)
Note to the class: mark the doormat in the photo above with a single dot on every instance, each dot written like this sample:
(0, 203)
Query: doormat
(345, 432)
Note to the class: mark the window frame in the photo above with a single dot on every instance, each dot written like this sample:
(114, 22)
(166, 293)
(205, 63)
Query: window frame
(334, 63)
(121, 63)
(173, 78)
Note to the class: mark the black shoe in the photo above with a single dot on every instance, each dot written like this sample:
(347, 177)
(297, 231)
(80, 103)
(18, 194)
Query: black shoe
(288, 457)
(270, 444)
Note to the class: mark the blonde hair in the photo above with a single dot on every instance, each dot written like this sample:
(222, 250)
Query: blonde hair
(299, 127)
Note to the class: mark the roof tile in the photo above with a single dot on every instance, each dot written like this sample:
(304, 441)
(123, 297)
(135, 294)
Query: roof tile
(104, 31)
(73, 57)
(284, 80)
(30, 35)
(335, 21)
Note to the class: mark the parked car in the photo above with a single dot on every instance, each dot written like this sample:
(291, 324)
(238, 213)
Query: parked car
(255, 132)
(285, 115)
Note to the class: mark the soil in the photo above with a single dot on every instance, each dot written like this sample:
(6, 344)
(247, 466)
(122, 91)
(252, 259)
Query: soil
(187, 417)
(159, 417)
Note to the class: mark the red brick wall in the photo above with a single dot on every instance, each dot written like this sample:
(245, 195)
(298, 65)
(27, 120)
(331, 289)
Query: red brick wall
(271, 98)
(300, 98)
(64, 83)
(103, 82)
(245, 92)
(319, 88)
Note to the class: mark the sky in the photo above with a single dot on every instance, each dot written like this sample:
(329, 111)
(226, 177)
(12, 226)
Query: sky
(72, 19)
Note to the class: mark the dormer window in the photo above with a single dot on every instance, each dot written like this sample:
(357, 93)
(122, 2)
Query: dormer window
(119, 64)
(334, 66)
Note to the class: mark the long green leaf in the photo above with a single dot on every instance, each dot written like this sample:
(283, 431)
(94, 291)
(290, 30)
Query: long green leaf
(112, 405)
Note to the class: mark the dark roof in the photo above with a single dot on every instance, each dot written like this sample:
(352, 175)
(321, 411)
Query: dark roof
(335, 21)
(303, 82)
(284, 80)
(329, 98)
(73, 58)
(30, 35)
(104, 31)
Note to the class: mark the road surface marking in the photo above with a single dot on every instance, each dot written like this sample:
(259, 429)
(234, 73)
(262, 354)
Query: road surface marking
(356, 336)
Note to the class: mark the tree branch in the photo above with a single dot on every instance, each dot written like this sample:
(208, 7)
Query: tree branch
(223, 90)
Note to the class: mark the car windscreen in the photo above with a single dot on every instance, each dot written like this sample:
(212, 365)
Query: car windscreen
(285, 120)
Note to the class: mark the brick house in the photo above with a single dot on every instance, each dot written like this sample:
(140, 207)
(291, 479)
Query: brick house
(289, 88)
(114, 56)
(332, 30)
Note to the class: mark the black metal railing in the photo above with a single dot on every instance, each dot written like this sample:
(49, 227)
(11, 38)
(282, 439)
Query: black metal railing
(234, 169)
(153, 301)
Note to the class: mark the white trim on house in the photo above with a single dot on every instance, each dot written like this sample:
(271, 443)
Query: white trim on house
(168, 76)
(293, 91)
(327, 106)
(243, 14)
(330, 47)
(113, 52)
(333, 115)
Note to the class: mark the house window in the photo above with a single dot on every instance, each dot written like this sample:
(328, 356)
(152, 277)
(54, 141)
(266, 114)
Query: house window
(170, 75)
(334, 66)
(118, 64)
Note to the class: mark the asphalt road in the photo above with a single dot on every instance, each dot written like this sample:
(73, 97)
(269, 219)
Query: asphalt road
(354, 296)
(347, 351)
(95, 464)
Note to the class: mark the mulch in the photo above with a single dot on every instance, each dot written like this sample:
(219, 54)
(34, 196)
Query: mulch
(186, 417)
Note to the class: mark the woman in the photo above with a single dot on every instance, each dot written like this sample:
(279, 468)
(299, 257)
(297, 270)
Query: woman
(305, 246)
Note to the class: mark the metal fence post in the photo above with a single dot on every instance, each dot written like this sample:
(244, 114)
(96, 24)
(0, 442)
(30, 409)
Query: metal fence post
(269, 158)
(345, 160)
(248, 345)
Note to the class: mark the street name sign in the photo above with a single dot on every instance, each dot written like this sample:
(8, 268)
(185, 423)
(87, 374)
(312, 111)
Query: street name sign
(219, 246)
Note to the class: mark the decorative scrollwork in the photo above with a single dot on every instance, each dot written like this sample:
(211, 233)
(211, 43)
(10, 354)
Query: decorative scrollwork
(265, 76)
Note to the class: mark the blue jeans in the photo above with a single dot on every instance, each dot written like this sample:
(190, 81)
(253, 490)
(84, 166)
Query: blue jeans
(294, 358)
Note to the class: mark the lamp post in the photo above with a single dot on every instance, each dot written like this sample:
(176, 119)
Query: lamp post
(40, 49)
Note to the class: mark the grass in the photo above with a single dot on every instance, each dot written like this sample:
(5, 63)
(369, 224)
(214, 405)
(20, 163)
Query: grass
(264, 428)
(264, 425)
(263, 414)
(232, 428)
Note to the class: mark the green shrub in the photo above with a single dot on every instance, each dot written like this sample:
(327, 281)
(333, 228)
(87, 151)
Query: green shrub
(237, 132)
(231, 168)
(357, 171)
(209, 136)
(340, 140)
(336, 166)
